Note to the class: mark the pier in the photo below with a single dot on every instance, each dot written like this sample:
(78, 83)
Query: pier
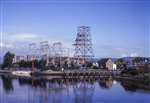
(77, 73)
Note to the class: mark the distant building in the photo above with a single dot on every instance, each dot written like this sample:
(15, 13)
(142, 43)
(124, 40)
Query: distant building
(114, 66)
(95, 64)
(110, 65)
(136, 62)
(107, 63)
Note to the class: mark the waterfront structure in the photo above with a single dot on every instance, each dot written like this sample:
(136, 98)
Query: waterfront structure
(107, 63)
(114, 66)
(83, 45)
(110, 65)
(95, 64)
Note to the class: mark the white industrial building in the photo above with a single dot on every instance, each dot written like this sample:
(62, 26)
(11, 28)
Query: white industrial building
(43, 51)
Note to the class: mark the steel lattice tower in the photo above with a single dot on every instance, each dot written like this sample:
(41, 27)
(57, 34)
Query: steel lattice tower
(83, 44)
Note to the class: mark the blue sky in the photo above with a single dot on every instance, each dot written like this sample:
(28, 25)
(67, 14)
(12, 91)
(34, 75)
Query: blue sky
(118, 27)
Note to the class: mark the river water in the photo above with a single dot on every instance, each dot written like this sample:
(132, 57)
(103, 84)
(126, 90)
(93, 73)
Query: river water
(58, 90)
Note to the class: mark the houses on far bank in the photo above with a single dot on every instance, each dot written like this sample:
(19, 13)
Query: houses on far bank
(104, 63)
(107, 63)
(137, 62)
(124, 63)
(110, 65)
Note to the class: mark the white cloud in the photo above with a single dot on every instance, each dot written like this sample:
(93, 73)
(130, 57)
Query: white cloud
(5, 45)
(124, 55)
(133, 55)
(23, 37)
(26, 36)
(19, 42)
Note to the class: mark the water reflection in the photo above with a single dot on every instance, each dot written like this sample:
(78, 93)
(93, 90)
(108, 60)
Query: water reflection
(133, 86)
(7, 83)
(83, 92)
(61, 90)
(31, 82)
(53, 90)
(105, 83)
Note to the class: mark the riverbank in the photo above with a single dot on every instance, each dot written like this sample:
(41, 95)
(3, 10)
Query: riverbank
(84, 73)
(136, 75)
(139, 80)
(134, 83)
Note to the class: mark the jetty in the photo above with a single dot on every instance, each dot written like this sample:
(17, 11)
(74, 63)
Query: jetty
(76, 73)
(66, 73)
(5, 71)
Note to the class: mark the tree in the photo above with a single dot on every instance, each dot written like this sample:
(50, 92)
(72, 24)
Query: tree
(136, 60)
(102, 63)
(36, 63)
(89, 64)
(42, 64)
(7, 83)
(8, 59)
(22, 63)
(121, 64)
(139, 60)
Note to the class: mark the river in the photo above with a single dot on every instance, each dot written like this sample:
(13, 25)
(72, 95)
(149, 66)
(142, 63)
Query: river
(58, 90)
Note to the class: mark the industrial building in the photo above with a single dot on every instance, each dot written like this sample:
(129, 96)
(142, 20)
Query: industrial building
(56, 53)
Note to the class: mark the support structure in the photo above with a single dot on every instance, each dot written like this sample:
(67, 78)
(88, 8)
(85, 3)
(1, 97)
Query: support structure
(32, 56)
(58, 49)
(45, 50)
(83, 45)
(58, 53)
